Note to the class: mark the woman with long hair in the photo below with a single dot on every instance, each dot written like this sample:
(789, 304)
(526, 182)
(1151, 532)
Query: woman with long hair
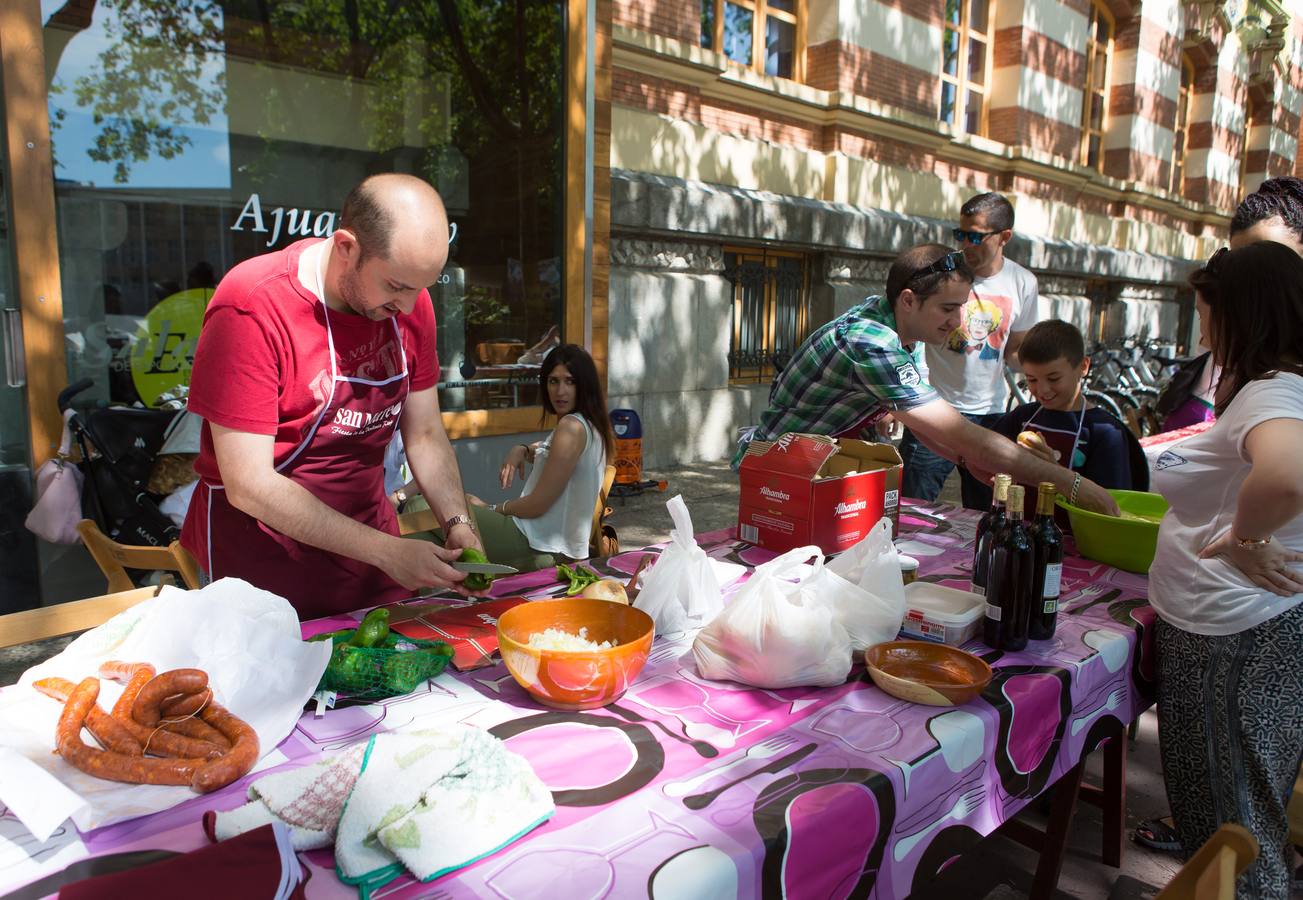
(553, 515)
(1226, 581)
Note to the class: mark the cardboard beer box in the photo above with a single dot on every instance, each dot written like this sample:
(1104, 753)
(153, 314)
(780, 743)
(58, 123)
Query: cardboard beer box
(811, 489)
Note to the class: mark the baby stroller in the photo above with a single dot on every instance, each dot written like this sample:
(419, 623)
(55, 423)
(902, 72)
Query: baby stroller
(119, 446)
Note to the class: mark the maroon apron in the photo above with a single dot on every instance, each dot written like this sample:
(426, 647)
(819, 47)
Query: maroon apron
(340, 462)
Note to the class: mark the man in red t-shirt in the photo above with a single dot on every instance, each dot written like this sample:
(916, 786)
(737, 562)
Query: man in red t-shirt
(308, 360)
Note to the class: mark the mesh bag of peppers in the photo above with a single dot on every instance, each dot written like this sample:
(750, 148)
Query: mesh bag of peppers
(370, 662)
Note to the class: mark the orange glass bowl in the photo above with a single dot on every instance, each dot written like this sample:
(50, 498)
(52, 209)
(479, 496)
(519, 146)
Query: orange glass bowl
(575, 679)
(928, 673)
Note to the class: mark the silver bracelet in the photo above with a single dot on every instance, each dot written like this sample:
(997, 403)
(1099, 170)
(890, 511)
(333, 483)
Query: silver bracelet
(1076, 485)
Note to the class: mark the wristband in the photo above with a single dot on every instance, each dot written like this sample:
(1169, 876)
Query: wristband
(1076, 486)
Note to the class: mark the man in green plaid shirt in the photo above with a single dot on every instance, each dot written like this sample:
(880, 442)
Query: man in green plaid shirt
(868, 362)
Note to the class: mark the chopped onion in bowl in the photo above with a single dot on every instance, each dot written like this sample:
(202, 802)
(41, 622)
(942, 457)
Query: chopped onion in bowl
(559, 639)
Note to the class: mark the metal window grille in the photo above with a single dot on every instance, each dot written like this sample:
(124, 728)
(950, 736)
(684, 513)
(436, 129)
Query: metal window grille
(771, 312)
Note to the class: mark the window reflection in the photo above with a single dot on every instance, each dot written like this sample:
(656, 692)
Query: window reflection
(737, 33)
(190, 135)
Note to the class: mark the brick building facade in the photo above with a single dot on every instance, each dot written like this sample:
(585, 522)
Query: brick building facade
(769, 157)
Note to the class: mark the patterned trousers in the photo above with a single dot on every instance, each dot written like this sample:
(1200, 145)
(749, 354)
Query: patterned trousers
(1230, 729)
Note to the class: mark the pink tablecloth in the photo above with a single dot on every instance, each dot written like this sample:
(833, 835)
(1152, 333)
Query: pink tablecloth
(1156, 444)
(729, 790)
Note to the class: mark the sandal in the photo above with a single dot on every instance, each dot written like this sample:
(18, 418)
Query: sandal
(1158, 834)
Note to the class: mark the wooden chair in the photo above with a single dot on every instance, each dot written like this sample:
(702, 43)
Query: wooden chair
(1210, 874)
(599, 513)
(418, 520)
(114, 559)
(67, 618)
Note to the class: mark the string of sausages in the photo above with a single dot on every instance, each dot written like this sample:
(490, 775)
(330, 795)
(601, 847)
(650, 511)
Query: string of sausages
(164, 729)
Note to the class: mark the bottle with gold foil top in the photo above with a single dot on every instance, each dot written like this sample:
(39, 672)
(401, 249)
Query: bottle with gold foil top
(1047, 571)
(1009, 582)
(991, 522)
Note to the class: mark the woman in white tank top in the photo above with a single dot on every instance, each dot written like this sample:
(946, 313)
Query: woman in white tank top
(553, 515)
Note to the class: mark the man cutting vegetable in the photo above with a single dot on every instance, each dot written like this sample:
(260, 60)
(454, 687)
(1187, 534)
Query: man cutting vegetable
(309, 359)
(868, 363)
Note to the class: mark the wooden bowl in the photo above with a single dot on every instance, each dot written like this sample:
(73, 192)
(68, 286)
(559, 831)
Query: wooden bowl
(923, 672)
(575, 679)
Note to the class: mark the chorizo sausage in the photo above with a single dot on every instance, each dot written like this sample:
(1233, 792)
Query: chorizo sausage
(118, 670)
(185, 704)
(140, 677)
(112, 766)
(154, 741)
(147, 711)
(218, 773)
(197, 729)
(111, 733)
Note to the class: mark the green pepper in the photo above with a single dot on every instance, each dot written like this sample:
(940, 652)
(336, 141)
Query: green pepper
(578, 577)
(352, 667)
(373, 630)
(475, 581)
(331, 635)
(401, 675)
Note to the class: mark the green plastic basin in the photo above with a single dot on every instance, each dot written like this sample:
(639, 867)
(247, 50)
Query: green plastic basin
(1127, 544)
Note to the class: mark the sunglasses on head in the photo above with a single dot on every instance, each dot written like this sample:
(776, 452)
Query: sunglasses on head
(947, 263)
(963, 235)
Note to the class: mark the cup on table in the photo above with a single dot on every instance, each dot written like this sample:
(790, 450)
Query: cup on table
(908, 568)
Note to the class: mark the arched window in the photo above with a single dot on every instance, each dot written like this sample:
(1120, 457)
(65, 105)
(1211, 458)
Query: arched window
(966, 64)
(1176, 173)
(1094, 100)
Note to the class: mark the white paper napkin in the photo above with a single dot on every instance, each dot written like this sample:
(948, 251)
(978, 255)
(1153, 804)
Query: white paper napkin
(246, 639)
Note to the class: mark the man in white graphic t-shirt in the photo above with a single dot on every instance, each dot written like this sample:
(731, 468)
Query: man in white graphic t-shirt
(968, 369)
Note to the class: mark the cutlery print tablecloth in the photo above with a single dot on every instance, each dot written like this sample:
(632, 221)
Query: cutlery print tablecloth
(687, 788)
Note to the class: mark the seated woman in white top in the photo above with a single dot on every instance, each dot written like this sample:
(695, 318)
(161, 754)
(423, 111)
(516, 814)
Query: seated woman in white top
(553, 516)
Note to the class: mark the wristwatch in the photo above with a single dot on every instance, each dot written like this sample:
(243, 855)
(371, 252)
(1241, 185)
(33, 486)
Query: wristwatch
(460, 519)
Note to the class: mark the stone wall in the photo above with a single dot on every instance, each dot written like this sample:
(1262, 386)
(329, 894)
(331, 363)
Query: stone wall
(670, 318)
(670, 303)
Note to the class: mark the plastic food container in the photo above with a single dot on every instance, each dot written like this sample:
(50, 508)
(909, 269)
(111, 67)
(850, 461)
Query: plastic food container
(1125, 543)
(941, 614)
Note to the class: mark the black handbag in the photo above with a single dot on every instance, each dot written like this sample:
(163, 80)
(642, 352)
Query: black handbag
(1181, 387)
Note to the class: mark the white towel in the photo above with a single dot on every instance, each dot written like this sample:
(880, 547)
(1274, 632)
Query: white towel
(429, 802)
(436, 801)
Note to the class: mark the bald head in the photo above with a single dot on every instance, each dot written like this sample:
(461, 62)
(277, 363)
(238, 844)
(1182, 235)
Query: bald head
(392, 242)
(397, 215)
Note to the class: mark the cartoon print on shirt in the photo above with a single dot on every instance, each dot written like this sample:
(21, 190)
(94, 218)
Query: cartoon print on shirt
(984, 326)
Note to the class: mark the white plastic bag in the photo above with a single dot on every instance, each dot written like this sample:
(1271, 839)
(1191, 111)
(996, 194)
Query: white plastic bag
(681, 591)
(874, 566)
(779, 633)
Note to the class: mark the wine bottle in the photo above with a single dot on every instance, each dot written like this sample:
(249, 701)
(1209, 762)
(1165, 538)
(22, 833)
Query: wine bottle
(991, 522)
(1047, 573)
(1009, 579)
